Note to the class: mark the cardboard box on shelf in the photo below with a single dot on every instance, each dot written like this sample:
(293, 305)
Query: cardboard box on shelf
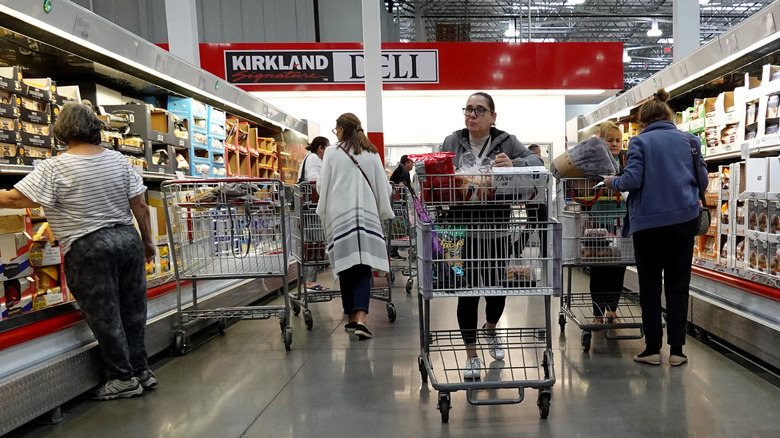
(11, 79)
(17, 297)
(44, 254)
(756, 177)
(40, 89)
(773, 254)
(161, 121)
(756, 252)
(14, 256)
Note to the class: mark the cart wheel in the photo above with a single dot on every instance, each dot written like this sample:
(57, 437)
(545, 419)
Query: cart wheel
(392, 277)
(287, 339)
(178, 343)
(423, 371)
(562, 321)
(586, 336)
(409, 285)
(444, 406)
(222, 326)
(296, 308)
(391, 312)
(544, 404)
(283, 322)
(307, 319)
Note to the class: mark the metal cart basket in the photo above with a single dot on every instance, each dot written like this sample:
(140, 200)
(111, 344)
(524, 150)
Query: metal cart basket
(593, 219)
(308, 249)
(227, 228)
(487, 240)
(402, 235)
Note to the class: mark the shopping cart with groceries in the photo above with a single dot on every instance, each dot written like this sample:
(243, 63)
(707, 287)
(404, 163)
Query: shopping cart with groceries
(483, 234)
(225, 229)
(308, 249)
(402, 237)
(593, 218)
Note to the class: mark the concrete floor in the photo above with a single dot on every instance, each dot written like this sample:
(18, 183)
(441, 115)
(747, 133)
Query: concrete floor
(244, 384)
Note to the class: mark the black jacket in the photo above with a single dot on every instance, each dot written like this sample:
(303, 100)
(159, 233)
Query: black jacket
(401, 176)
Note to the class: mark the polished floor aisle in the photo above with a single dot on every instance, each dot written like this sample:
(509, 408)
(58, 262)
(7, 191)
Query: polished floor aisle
(244, 384)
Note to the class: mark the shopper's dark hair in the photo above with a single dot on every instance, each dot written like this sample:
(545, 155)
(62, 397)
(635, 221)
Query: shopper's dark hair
(534, 147)
(353, 137)
(316, 143)
(405, 159)
(656, 109)
(491, 104)
(77, 122)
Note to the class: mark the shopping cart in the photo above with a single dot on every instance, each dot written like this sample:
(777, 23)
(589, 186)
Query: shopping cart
(593, 218)
(308, 249)
(402, 236)
(227, 228)
(487, 240)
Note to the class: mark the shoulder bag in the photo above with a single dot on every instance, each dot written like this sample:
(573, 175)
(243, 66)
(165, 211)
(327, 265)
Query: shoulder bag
(703, 223)
(358, 166)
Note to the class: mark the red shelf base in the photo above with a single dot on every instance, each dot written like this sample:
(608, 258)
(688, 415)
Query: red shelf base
(738, 283)
(52, 325)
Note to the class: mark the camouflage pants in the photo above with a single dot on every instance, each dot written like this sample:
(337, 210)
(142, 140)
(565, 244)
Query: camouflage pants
(105, 272)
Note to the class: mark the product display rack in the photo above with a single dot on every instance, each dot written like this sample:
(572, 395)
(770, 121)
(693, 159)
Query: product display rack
(48, 357)
(727, 93)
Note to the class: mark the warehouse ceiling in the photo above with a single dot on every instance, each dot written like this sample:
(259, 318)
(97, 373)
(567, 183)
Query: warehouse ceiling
(626, 21)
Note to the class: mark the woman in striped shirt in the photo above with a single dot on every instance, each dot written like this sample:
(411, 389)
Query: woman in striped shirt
(90, 195)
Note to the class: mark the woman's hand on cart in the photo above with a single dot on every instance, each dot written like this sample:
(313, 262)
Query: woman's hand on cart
(608, 181)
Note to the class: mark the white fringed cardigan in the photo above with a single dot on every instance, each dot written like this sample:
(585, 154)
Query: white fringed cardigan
(351, 215)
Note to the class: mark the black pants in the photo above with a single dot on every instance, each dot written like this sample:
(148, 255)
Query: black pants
(355, 284)
(106, 274)
(606, 285)
(664, 254)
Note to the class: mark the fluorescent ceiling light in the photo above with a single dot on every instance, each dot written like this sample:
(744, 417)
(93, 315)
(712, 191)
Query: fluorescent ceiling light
(626, 58)
(576, 2)
(511, 32)
(704, 2)
(654, 30)
(96, 48)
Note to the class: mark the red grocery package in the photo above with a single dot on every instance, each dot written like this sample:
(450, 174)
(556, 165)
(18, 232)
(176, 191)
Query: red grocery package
(436, 163)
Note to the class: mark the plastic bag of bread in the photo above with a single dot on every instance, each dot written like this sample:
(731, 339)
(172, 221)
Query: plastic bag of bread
(589, 158)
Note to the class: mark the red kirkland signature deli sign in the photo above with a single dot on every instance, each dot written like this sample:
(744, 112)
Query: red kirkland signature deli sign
(327, 66)
(417, 66)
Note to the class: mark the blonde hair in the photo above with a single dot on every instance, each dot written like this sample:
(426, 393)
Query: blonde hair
(606, 128)
(353, 137)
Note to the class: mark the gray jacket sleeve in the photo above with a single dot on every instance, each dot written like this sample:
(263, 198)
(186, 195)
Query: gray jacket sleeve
(520, 155)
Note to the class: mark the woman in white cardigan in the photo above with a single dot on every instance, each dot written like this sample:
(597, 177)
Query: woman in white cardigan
(354, 200)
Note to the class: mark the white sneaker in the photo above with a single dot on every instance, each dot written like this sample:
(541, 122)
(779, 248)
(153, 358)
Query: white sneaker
(495, 345)
(473, 368)
(119, 389)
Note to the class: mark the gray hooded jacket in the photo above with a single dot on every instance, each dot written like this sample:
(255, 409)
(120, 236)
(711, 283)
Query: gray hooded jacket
(501, 141)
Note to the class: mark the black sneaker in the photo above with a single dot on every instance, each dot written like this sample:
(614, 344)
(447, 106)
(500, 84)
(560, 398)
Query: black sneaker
(350, 327)
(116, 388)
(398, 257)
(362, 331)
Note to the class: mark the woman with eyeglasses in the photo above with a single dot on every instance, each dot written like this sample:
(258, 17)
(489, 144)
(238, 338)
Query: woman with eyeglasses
(480, 143)
(354, 201)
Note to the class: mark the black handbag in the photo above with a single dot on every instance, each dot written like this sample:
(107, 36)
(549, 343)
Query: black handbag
(703, 222)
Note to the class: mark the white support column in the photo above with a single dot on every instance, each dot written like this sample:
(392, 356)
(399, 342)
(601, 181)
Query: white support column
(372, 55)
(419, 23)
(182, 19)
(686, 22)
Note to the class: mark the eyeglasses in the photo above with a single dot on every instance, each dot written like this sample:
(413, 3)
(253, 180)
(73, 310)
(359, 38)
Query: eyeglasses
(479, 111)
(334, 131)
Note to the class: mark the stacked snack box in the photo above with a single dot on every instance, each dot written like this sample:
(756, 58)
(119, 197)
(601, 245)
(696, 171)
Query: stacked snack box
(17, 290)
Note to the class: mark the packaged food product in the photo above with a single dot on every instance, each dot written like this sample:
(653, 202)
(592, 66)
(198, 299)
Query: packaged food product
(771, 106)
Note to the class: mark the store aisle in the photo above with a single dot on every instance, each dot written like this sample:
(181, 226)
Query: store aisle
(244, 384)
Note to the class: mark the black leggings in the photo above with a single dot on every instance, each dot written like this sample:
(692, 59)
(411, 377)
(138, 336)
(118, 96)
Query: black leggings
(663, 262)
(468, 315)
(606, 285)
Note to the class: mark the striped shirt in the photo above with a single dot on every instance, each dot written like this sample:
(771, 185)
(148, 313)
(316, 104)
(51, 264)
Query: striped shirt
(83, 193)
